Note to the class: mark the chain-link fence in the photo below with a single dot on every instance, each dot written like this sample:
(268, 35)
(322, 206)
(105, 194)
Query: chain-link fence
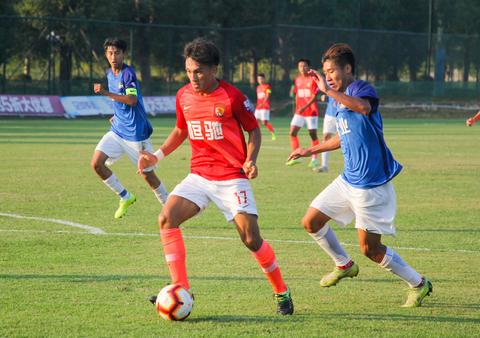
(65, 56)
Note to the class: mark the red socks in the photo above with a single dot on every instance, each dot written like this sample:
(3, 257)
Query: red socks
(269, 127)
(294, 143)
(266, 258)
(174, 250)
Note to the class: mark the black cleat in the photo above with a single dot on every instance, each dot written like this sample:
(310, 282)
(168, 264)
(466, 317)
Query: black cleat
(284, 303)
(152, 299)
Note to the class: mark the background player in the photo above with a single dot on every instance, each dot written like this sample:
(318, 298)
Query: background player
(262, 110)
(306, 110)
(329, 130)
(213, 115)
(364, 190)
(130, 130)
(471, 120)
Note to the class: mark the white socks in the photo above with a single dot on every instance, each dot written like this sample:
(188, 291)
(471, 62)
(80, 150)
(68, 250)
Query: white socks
(325, 157)
(161, 193)
(395, 264)
(325, 237)
(113, 183)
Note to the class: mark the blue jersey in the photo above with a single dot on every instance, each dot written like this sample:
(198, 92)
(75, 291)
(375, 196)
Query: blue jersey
(331, 108)
(129, 122)
(368, 161)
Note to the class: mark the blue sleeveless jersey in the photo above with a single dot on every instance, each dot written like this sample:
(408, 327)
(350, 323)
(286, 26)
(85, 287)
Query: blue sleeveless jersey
(129, 122)
(368, 162)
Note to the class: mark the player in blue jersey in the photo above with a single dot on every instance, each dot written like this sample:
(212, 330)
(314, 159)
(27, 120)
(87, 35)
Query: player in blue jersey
(364, 190)
(130, 129)
(329, 130)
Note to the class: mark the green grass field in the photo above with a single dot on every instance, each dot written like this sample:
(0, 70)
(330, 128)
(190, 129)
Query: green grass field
(62, 280)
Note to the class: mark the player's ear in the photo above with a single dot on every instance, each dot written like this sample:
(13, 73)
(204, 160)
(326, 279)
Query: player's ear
(348, 68)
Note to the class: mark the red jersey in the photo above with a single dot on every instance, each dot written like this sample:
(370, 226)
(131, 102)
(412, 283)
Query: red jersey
(214, 123)
(305, 88)
(262, 91)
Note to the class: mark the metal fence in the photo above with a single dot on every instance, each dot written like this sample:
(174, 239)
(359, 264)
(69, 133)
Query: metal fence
(64, 57)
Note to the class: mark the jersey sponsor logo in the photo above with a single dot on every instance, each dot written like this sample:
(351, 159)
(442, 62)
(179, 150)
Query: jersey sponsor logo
(342, 126)
(205, 130)
(304, 92)
(248, 105)
(219, 109)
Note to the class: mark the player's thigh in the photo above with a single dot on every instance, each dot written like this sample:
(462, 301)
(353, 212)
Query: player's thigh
(111, 145)
(329, 125)
(312, 122)
(233, 197)
(176, 211)
(314, 220)
(375, 209)
(334, 202)
(297, 121)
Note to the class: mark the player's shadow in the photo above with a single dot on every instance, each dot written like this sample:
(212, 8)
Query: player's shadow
(404, 318)
(247, 319)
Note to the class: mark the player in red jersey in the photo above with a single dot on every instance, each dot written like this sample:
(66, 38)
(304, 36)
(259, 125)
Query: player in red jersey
(262, 110)
(471, 120)
(306, 110)
(213, 115)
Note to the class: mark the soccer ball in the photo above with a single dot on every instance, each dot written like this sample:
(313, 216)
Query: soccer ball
(174, 302)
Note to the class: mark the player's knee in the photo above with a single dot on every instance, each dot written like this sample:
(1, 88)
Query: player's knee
(370, 251)
(96, 165)
(253, 243)
(165, 221)
(310, 225)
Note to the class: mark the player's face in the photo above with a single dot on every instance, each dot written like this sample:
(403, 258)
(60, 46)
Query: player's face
(260, 80)
(202, 77)
(115, 57)
(303, 68)
(338, 78)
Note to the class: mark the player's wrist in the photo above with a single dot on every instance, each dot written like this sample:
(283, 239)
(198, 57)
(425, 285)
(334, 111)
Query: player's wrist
(159, 154)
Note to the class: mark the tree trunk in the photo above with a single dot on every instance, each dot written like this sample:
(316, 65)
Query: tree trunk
(65, 68)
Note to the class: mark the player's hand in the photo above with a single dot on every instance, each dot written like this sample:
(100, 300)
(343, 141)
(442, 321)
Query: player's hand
(470, 121)
(110, 120)
(145, 160)
(319, 80)
(97, 88)
(250, 169)
(299, 152)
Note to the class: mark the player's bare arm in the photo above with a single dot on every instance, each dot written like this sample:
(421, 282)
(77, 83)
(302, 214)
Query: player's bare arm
(253, 147)
(356, 104)
(471, 120)
(329, 145)
(130, 100)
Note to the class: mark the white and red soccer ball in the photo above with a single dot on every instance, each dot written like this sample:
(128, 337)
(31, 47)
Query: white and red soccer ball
(174, 302)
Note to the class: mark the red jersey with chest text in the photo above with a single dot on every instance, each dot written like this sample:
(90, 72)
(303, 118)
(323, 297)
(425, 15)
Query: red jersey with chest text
(262, 91)
(215, 124)
(305, 89)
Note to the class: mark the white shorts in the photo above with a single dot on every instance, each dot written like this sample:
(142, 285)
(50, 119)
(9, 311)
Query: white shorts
(262, 114)
(373, 209)
(114, 147)
(231, 196)
(299, 121)
(329, 124)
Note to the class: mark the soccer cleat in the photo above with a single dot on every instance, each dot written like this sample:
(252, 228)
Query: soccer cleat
(337, 274)
(123, 206)
(321, 169)
(313, 164)
(274, 137)
(284, 303)
(292, 162)
(416, 295)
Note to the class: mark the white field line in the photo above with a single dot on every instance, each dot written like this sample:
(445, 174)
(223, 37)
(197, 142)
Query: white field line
(88, 228)
(220, 238)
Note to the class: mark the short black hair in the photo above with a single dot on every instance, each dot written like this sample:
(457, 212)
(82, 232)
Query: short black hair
(261, 74)
(202, 51)
(307, 61)
(115, 42)
(341, 54)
